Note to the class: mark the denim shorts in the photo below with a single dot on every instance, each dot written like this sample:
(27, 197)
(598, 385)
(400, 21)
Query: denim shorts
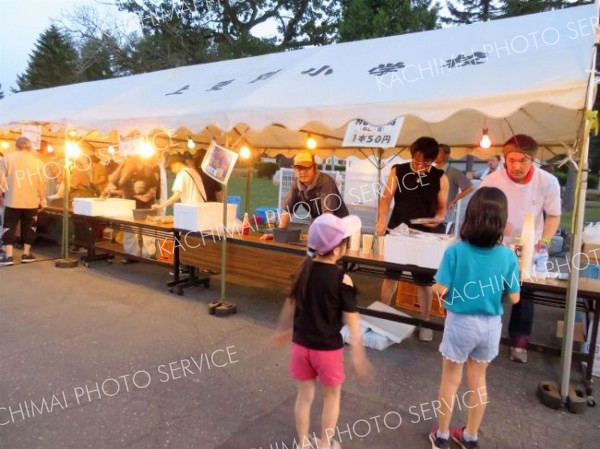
(471, 336)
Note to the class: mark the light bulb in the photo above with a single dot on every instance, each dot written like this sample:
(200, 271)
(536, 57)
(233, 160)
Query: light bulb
(5, 145)
(72, 150)
(190, 143)
(311, 143)
(245, 152)
(111, 149)
(50, 149)
(485, 141)
(145, 149)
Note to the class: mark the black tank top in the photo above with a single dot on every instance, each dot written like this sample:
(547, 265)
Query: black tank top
(415, 196)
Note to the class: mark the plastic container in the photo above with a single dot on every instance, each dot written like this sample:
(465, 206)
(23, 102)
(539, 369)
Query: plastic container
(142, 214)
(286, 235)
(270, 213)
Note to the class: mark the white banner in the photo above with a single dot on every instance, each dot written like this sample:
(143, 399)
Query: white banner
(33, 133)
(362, 134)
(219, 162)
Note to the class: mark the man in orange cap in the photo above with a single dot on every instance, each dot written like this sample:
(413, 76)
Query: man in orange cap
(314, 191)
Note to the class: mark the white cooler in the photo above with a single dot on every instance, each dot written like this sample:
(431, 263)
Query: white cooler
(204, 216)
(413, 251)
(99, 207)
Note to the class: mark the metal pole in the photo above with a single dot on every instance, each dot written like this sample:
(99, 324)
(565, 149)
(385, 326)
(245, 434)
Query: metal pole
(248, 176)
(224, 245)
(65, 214)
(576, 241)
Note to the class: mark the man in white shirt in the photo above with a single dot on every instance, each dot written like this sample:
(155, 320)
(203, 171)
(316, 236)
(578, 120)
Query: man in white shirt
(187, 188)
(529, 190)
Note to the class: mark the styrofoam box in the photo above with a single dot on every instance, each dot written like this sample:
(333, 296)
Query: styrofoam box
(412, 251)
(99, 207)
(204, 216)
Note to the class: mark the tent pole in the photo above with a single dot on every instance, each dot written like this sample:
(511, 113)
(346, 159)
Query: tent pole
(379, 181)
(576, 242)
(224, 242)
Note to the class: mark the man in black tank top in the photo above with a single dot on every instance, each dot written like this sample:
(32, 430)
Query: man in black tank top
(419, 190)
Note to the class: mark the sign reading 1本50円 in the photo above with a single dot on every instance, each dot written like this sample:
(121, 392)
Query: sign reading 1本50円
(362, 134)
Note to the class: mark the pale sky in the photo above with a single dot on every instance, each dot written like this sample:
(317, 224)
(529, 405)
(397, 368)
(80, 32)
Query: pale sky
(24, 20)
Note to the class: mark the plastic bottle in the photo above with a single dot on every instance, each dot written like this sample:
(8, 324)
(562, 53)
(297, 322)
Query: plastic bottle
(541, 260)
(517, 247)
(246, 223)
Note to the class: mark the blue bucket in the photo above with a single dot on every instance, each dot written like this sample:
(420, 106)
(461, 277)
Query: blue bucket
(262, 213)
(237, 200)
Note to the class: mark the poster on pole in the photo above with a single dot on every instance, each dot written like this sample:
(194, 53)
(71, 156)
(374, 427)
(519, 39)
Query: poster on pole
(34, 134)
(219, 162)
(362, 134)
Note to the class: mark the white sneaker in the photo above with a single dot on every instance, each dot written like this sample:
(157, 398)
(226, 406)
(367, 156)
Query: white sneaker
(518, 355)
(425, 334)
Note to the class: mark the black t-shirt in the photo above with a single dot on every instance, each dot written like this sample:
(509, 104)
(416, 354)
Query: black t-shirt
(211, 187)
(318, 318)
(415, 196)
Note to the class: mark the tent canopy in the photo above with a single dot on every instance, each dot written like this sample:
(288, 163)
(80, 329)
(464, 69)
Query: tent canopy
(521, 75)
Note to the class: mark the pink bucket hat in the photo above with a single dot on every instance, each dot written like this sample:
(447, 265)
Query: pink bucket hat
(328, 231)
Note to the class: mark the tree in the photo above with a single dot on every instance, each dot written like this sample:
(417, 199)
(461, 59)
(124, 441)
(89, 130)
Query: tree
(1, 92)
(511, 8)
(365, 19)
(470, 11)
(195, 31)
(53, 62)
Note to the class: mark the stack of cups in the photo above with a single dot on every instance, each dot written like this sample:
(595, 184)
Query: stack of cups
(367, 243)
(355, 241)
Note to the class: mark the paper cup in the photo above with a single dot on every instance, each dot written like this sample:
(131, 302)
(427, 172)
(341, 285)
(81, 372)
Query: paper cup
(380, 245)
(355, 241)
(367, 243)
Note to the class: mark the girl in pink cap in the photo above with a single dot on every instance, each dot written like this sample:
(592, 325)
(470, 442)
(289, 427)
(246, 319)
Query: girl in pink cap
(322, 297)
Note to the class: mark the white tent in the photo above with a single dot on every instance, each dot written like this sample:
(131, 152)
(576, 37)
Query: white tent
(523, 75)
(531, 74)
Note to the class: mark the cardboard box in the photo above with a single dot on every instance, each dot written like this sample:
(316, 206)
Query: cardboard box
(578, 333)
(413, 251)
(99, 207)
(205, 217)
(592, 250)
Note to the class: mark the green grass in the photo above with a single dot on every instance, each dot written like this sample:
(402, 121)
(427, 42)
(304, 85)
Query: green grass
(263, 193)
(592, 213)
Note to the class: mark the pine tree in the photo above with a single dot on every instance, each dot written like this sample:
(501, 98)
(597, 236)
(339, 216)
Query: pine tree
(511, 8)
(1, 92)
(95, 61)
(365, 19)
(53, 62)
(469, 11)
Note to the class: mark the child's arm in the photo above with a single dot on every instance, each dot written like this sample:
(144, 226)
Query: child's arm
(514, 297)
(360, 363)
(283, 332)
(440, 290)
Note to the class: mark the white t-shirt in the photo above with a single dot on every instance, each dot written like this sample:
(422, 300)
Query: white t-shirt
(189, 185)
(541, 194)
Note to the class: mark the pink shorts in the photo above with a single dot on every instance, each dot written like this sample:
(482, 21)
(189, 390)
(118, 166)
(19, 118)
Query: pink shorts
(307, 364)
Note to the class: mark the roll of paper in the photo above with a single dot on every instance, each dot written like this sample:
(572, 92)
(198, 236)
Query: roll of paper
(528, 241)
